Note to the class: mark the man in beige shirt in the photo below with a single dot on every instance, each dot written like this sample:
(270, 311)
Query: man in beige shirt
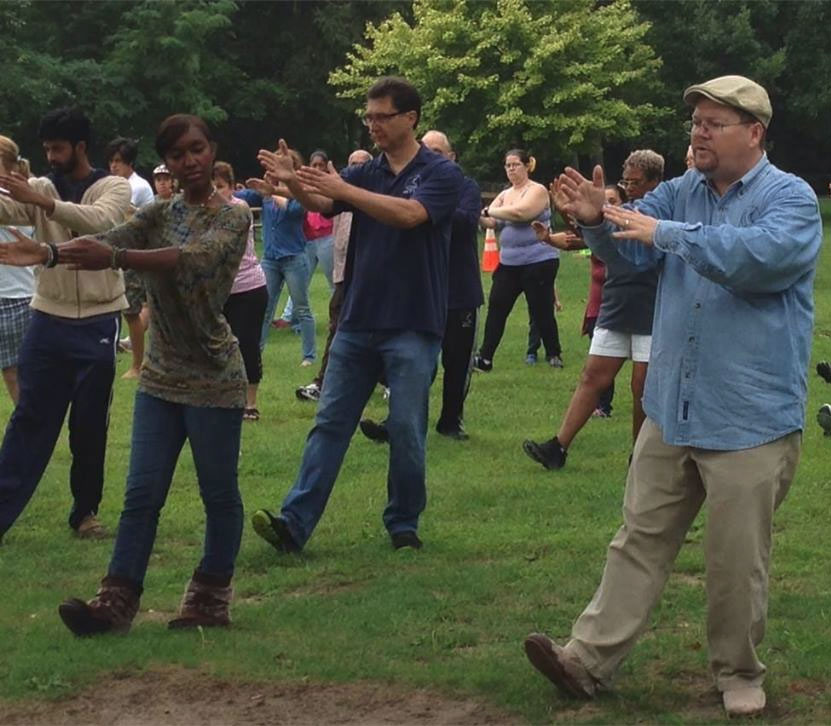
(67, 360)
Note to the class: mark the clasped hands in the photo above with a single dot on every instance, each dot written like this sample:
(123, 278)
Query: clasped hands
(586, 201)
(279, 167)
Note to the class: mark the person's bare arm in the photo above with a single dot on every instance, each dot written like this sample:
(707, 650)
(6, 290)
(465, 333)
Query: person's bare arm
(526, 209)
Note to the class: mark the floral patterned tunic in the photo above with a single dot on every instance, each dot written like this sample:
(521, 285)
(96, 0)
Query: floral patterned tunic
(192, 357)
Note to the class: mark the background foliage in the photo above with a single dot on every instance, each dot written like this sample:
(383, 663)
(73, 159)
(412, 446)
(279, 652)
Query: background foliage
(573, 80)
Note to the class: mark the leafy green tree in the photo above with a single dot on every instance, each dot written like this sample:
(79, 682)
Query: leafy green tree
(561, 76)
(782, 45)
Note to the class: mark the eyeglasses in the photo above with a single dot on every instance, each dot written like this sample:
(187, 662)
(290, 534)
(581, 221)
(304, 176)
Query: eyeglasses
(514, 165)
(379, 118)
(626, 183)
(711, 127)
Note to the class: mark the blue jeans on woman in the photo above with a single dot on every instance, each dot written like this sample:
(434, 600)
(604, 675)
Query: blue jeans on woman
(159, 431)
(320, 250)
(294, 271)
(356, 360)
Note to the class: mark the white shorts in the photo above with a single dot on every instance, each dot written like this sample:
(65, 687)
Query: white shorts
(613, 344)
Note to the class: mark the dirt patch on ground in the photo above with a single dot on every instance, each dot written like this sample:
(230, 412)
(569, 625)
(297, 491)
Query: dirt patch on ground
(177, 697)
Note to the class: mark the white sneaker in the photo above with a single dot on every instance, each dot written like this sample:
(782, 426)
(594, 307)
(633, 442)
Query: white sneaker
(308, 393)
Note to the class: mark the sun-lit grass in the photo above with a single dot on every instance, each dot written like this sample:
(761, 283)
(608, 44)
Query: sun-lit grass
(509, 548)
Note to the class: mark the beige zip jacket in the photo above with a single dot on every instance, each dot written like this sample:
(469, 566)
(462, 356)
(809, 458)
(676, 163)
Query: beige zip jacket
(74, 293)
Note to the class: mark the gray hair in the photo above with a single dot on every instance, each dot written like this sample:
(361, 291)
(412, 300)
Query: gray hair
(648, 161)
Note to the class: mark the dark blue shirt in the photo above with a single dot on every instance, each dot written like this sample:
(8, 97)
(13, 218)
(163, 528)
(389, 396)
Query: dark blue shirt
(72, 190)
(282, 226)
(396, 279)
(465, 287)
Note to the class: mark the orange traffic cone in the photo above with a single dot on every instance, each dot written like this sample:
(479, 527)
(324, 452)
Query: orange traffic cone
(490, 254)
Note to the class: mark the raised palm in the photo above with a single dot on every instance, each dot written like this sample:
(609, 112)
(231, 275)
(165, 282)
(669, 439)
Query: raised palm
(582, 198)
(279, 164)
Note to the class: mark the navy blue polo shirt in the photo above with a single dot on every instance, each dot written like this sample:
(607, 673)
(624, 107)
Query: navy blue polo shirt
(396, 279)
(465, 287)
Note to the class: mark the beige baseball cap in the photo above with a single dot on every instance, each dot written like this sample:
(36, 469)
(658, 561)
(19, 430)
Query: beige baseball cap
(736, 91)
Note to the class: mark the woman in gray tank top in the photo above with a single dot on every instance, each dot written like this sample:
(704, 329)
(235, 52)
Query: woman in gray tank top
(526, 265)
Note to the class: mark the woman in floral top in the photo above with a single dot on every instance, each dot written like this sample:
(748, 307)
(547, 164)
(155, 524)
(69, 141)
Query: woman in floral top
(192, 384)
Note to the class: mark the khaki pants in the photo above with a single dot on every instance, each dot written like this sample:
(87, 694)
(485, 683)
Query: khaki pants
(666, 487)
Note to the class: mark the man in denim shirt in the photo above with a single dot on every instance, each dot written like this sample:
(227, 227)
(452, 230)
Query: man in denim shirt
(735, 241)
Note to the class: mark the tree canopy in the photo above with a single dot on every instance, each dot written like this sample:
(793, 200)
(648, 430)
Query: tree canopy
(560, 77)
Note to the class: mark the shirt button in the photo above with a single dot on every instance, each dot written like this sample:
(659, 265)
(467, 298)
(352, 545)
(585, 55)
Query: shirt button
(697, 305)
(691, 339)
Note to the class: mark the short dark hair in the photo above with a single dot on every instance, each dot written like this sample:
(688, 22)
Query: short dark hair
(174, 127)
(65, 124)
(403, 94)
(319, 153)
(126, 148)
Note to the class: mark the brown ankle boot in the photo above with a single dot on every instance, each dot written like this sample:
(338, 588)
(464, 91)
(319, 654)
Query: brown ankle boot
(111, 610)
(206, 603)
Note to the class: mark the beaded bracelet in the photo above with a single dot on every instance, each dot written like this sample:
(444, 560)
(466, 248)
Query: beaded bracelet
(119, 261)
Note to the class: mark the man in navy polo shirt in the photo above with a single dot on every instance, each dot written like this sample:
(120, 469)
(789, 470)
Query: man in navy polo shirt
(393, 316)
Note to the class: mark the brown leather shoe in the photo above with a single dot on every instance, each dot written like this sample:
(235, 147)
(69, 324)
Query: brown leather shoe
(91, 528)
(561, 668)
(203, 605)
(111, 610)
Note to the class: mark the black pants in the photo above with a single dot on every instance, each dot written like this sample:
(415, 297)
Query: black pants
(244, 312)
(335, 305)
(456, 358)
(537, 282)
(63, 364)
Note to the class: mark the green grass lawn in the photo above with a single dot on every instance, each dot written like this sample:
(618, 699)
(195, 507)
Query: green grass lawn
(509, 548)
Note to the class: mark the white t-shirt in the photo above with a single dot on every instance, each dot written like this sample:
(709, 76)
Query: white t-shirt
(142, 191)
(16, 282)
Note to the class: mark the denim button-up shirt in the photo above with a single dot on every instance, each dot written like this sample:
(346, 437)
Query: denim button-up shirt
(731, 337)
(282, 226)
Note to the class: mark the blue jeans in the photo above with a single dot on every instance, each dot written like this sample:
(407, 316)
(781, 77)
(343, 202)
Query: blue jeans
(159, 432)
(320, 250)
(294, 271)
(356, 361)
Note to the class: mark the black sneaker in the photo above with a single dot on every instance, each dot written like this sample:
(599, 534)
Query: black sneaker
(375, 431)
(452, 432)
(274, 530)
(549, 453)
(824, 370)
(481, 364)
(824, 418)
(405, 539)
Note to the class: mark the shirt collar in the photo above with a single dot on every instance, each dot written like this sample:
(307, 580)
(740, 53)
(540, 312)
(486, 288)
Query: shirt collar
(745, 180)
(420, 158)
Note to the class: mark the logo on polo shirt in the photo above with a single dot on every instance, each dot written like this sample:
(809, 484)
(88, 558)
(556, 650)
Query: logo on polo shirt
(412, 184)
